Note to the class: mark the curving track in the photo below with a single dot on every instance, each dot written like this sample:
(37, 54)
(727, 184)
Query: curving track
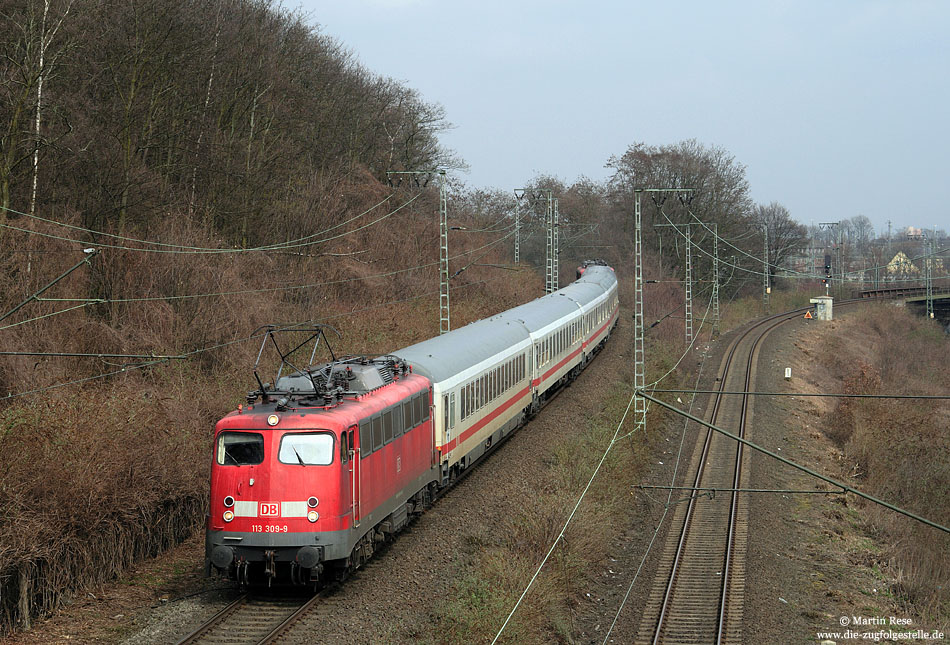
(697, 596)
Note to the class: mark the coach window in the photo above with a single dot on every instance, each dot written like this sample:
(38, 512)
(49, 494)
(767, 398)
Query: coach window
(366, 438)
(377, 432)
(240, 448)
(452, 410)
(306, 449)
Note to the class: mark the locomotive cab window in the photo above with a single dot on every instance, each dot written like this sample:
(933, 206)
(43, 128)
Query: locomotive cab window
(306, 449)
(240, 448)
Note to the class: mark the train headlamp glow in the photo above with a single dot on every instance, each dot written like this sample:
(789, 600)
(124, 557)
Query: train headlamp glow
(313, 516)
(272, 420)
(228, 516)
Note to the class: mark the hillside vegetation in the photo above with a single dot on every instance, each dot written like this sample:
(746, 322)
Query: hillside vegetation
(227, 161)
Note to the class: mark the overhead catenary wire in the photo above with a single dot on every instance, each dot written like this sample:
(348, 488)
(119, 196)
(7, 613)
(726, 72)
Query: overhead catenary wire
(832, 395)
(192, 248)
(614, 440)
(666, 507)
(789, 462)
(185, 355)
(281, 246)
(266, 289)
(794, 273)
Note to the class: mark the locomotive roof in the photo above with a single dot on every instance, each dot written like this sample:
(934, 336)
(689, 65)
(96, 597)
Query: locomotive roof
(597, 274)
(445, 356)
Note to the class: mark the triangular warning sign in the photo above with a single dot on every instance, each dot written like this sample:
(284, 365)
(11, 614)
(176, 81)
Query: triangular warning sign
(808, 315)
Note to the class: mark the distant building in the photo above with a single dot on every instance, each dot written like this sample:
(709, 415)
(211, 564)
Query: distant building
(901, 265)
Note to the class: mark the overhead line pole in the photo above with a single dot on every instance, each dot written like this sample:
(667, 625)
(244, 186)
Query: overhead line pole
(930, 276)
(689, 286)
(445, 317)
(639, 354)
(550, 215)
(518, 232)
(639, 363)
(556, 251)
(715, 293)
(765, 269)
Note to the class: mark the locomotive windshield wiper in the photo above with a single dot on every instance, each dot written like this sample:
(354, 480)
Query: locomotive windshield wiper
(299, 458)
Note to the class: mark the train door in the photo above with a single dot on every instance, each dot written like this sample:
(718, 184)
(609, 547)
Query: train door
(352, 436)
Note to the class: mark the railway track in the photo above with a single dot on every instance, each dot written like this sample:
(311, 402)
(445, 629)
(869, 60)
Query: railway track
(252, 620)
(697, 596)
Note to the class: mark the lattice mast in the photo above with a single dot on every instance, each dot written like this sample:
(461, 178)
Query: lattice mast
(715, 291)
(689, 286)
(556, 251)
(639, 363)
(765, 269)
(445, 317)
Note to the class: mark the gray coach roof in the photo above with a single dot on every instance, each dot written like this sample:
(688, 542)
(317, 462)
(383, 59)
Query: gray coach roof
(445, 356)
(540, 313)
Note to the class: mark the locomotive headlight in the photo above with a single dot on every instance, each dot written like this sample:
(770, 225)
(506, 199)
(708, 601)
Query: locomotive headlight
(313, 516)
(228, 501)
(228, 516)
(272, 420)
(312, 502)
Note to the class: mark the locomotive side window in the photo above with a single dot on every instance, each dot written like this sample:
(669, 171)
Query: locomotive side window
(366, 438)
(377, 433)
(422, 407)
(399, 425)
(344, 448)
(240, 448)
(306, 449)
(407, 415)
(387, 426)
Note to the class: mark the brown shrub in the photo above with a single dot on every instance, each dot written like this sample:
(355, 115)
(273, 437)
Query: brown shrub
(902, 447)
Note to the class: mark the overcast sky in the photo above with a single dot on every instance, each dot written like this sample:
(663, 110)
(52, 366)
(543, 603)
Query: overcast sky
(835, 108)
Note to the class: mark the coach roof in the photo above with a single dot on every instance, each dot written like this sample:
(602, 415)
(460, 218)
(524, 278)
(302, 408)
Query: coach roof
(452, 353)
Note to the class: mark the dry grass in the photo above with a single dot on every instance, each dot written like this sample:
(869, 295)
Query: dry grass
(900, 450)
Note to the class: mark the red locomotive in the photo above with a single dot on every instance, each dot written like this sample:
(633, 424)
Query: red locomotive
(333, 459)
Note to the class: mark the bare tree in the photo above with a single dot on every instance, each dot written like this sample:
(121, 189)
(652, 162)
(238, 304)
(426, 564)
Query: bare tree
(785, 236)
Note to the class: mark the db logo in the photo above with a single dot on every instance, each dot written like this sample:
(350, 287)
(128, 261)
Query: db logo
(270, 509)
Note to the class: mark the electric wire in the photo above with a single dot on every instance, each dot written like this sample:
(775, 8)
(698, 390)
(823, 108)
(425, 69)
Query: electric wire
(186, 247)
(776, 266)
(281, 246)
(49, 315)
(267, 289)
(666, 508)
(788, 273)
(797, 466)
(614, 440)
(815, 394)
(184, 355)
